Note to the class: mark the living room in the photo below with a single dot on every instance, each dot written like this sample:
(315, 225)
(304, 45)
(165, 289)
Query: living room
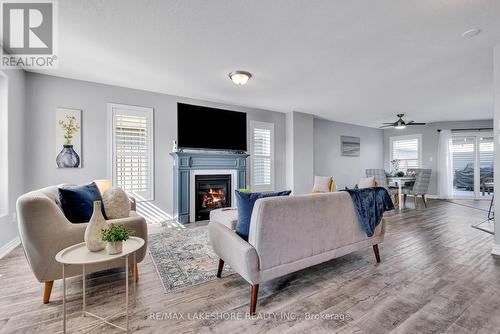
(181, 118)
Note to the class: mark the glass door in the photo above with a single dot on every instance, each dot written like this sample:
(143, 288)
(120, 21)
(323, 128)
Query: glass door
(463, 157)
(486, 159)
(472, 164)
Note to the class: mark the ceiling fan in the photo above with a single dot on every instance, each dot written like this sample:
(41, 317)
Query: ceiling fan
(400, 124)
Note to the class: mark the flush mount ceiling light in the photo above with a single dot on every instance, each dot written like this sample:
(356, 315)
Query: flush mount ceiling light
(471, 33)
(240, 77)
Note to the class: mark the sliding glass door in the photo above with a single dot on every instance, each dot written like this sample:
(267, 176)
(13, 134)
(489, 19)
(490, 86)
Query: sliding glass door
(486, 166)
(472, 165)
(463, 157)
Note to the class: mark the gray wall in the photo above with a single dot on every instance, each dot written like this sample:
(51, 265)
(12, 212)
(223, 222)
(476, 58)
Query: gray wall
(345, 170)
(300, 156)
(429, 142)
(16, 136)
(496, 134)
(45, 93)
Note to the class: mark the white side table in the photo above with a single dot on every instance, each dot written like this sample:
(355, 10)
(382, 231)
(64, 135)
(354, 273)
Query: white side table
(79, 255)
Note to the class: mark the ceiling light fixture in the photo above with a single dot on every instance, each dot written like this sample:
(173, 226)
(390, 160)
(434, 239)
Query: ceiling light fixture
(240, 77)
(400, 127)
(471, 33)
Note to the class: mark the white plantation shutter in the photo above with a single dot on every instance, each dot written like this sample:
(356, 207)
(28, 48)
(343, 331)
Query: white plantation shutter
(132, 150)
(407, 150)
(262, 156)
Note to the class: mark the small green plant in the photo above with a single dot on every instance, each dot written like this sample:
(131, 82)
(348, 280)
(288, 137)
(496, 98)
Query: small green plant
(244, 190)
(114, 233)
(400, 174)
(70, 128)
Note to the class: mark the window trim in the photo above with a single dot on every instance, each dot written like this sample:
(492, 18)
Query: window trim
(111, 138)
(266, 126)
(406, 137)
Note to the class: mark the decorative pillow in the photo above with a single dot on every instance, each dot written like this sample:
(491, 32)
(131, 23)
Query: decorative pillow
(116, 203)
(245, 202)
(321, 184)
(77, 202)
(366, 182)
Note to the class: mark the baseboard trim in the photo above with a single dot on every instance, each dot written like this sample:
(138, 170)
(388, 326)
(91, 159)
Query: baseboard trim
(9, 247)
(495, 250)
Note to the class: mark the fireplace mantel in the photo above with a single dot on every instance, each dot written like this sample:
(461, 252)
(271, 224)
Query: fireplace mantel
(186, 162)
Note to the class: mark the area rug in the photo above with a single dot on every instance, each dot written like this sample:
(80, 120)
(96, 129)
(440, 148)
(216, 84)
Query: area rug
(183, 257)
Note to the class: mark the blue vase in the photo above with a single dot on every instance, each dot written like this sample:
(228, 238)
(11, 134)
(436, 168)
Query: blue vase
(68, 158)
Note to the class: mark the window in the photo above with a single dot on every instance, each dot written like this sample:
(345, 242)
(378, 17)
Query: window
(132, 149)
(408, 150)
(261, 156)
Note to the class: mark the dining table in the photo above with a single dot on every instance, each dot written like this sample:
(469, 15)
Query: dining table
(400, 181)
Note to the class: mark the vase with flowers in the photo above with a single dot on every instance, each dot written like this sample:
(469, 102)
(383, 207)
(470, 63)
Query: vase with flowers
(68, 158)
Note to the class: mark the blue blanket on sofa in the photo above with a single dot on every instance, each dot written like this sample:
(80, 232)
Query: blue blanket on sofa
(370, 205)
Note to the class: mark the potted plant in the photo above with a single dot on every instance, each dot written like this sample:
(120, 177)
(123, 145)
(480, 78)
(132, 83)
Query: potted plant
(114, 236)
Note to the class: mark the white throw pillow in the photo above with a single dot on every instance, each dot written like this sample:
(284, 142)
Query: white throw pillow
(116, 203)
(321, 184)
(366, 182)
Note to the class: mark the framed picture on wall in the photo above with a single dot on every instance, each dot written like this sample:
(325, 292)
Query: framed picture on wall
(68, 138)
(350, 146)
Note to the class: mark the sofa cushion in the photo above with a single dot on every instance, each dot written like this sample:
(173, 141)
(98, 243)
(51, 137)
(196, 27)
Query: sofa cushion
(321, 184)
(245, 202)
(77, 202)
(226, 216)
(366, 182)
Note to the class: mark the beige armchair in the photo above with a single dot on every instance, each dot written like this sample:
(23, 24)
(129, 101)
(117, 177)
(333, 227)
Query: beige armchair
(44, 231)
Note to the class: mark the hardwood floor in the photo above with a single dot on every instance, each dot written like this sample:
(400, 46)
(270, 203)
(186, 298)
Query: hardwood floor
(436, 276)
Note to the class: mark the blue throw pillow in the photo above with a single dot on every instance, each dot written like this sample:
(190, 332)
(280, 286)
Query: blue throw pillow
(245, 202)
(78, 202)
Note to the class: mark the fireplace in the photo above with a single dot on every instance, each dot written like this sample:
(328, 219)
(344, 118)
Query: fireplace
(211, 192)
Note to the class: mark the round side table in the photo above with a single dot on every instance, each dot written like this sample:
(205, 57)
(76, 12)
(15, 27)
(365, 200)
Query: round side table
(79, 255)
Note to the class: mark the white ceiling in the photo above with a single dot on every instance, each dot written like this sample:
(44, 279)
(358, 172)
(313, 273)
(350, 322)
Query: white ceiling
(356, 61)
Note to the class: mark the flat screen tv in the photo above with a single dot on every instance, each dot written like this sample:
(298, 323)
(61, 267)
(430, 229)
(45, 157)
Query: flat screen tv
(210, 128)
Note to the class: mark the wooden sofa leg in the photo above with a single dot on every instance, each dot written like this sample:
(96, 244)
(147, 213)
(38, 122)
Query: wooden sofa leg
(47, 289)
(425, 200)
(404, 200)
(135, 271)
(377, 254)
(220, 267)
(253, 298)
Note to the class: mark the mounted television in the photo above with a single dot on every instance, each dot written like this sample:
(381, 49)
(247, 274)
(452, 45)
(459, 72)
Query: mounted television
(210, 128)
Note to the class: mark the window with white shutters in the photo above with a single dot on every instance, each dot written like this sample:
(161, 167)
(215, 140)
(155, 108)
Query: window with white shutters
(133, 150)
(407, 150)
(262, 156)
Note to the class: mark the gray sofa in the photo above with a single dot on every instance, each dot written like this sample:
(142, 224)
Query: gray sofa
(44, 231)
(292, 233)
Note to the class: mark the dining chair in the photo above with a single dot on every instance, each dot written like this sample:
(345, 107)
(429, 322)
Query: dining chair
(380, 177)
(420, 187)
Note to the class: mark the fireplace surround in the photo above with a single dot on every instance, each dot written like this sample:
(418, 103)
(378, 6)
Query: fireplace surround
(188, 165)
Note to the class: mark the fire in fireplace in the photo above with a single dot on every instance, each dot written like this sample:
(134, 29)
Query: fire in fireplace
(212, 192)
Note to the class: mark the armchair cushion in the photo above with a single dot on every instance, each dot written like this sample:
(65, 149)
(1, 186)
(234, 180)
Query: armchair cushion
(77, 202)
(116, 203)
